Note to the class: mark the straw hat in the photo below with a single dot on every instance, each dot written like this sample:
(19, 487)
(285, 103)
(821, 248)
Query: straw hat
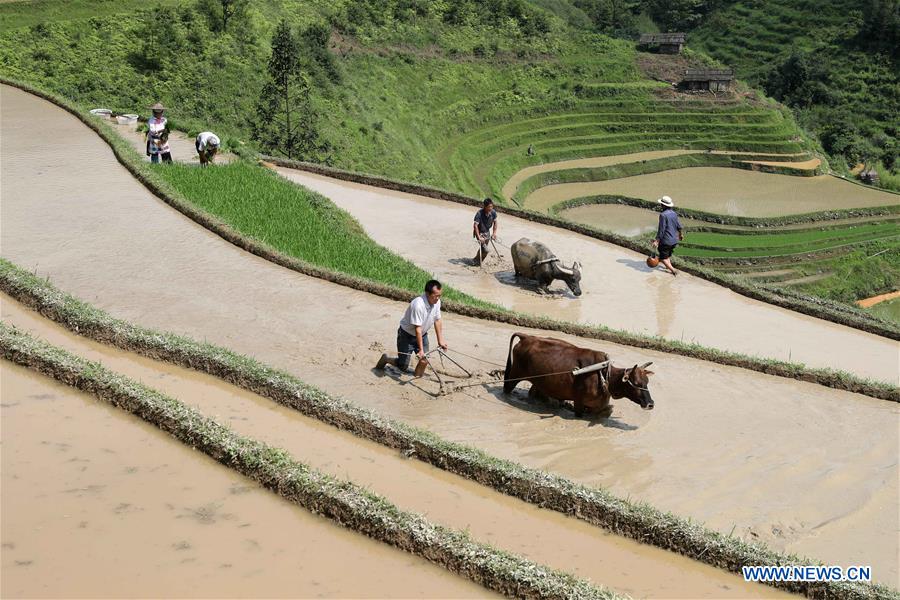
(157, 106)
(666, 201)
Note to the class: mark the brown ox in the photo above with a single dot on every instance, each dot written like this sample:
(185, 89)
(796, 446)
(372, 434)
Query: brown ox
(535, 356)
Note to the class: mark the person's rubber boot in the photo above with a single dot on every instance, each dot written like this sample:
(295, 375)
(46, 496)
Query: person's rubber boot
(384, 361)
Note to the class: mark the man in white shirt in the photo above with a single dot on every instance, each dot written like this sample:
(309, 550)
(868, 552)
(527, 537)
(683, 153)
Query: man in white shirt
(207, 144)
(412, 335)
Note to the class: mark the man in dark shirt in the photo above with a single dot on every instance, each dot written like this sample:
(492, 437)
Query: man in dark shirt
(484, 229)
(668, 234)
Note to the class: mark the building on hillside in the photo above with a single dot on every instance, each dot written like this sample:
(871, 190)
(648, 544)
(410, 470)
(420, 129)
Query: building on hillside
(664, 43)
(711, 80)
(869, 176)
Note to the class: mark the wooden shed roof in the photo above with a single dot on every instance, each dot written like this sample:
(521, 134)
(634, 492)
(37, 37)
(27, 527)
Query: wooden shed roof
(662, 38)
(708, 75)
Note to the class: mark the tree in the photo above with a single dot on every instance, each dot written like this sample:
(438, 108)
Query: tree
(881, 27)
(222, 12)
(609, 15)
(285, 120)
(677, 15)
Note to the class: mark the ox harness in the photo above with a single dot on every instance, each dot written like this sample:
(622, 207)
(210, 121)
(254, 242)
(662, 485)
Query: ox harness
(544, 262)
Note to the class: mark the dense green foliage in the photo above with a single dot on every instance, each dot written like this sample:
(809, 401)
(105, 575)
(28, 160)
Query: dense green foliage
(834, 62)
(890, 310)
(295, 221)
(285, 123)
(866, 271)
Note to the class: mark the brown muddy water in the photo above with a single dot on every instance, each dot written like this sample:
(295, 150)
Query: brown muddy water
(513, 183)
(619, 290)
(619, 218)
(772, 459)
(633, 221)
(98, 504)
(544, 536)
(726, 191)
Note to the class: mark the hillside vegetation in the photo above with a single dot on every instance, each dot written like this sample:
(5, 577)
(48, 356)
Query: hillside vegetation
(834, 62)
(410, 89)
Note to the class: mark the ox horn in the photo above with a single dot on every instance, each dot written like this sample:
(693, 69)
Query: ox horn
(645, 365)
(564, 270)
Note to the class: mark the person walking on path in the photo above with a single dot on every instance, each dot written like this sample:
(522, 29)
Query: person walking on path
(668, 234)
(484, 229)
(412, 335)
(158, 136)
(207, 144)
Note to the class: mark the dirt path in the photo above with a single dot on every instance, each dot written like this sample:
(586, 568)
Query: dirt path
(619, 290)
(775, 459)
(806, 165)
(542, 535)
(726, 191)
(98, 504)
(868, 302)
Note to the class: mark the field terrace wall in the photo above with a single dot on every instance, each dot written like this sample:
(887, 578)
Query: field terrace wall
(142, 171)
(646, 167)
(341, 501)
(719, 219)
(592, 505)
(822, 309)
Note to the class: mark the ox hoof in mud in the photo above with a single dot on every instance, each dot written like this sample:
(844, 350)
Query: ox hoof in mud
(549, 363)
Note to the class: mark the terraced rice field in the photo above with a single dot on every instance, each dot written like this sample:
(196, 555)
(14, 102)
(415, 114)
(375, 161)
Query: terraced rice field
(733, 245)
(625, 120)
(147, 263)
(726, 191)
(787, 255)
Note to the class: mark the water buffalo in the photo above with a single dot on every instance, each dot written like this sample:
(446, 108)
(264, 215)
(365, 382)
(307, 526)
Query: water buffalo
(534, 356)
(535, 261)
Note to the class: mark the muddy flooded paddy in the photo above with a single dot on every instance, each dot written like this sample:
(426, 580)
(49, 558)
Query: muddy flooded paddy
(544, 536)
(98, 504)
(726, 191)
(619, 290)
(766, 458)
(632, 221)
(513, 183)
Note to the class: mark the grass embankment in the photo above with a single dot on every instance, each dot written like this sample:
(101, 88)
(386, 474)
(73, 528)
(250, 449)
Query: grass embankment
(341, 501)
(889, 309)
(593, 505)
(296, 222)
(783, 243)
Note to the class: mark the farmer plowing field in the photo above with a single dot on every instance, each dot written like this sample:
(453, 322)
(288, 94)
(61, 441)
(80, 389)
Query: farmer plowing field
(412, 336)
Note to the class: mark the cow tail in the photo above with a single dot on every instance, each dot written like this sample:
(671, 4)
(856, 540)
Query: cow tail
(512, 338)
